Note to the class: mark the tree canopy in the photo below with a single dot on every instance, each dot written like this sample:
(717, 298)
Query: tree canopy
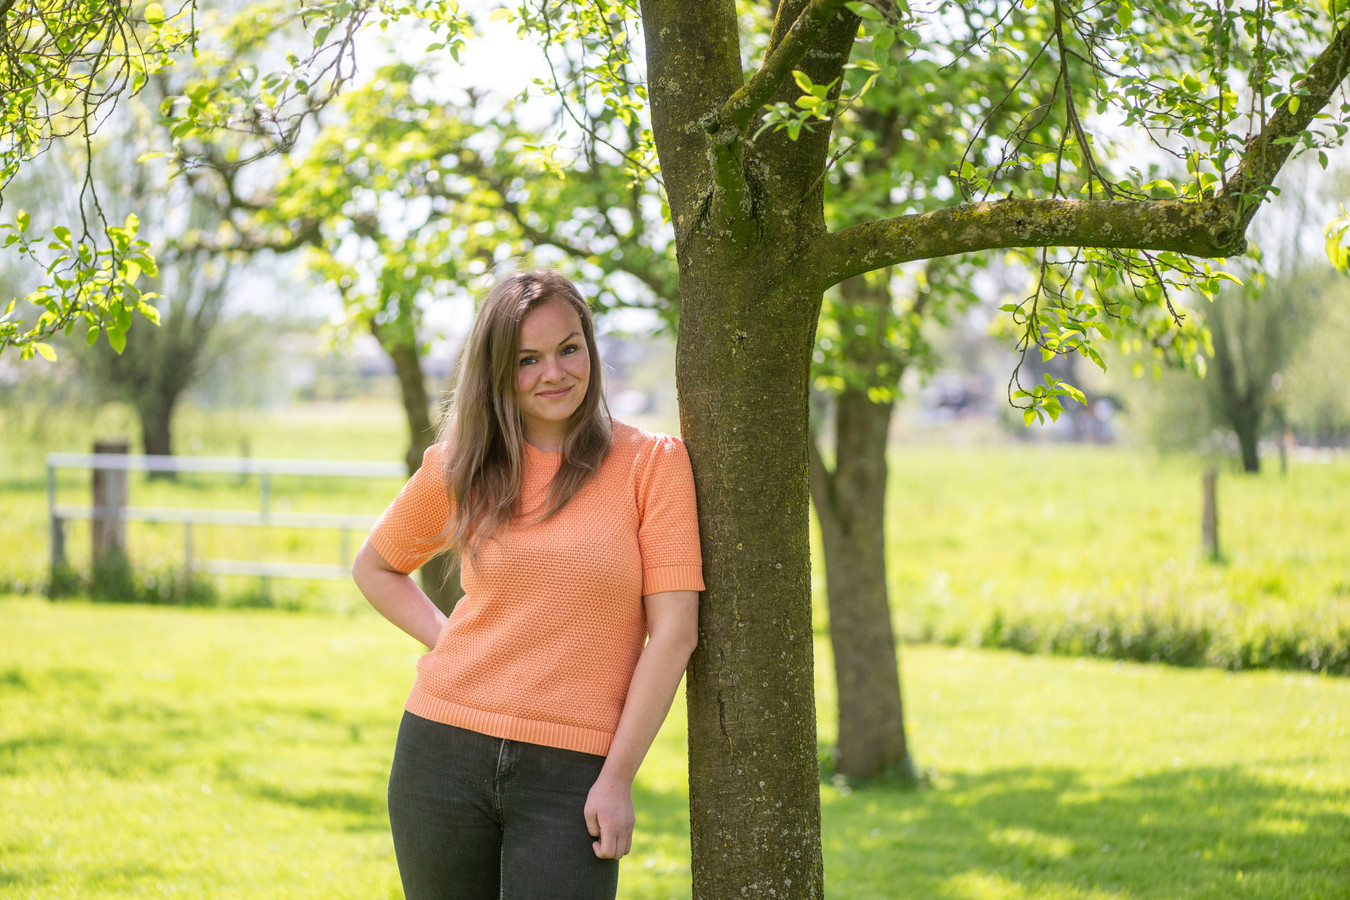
(65, 65)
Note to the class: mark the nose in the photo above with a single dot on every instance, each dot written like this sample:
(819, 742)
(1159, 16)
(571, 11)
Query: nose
(553, 370)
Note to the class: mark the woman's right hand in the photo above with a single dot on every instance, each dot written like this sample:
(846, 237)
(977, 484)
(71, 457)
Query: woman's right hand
(610, 817)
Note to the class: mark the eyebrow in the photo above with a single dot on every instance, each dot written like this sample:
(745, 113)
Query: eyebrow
(574, 334)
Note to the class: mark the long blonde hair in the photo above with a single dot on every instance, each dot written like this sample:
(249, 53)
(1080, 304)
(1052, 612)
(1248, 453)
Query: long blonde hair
(483, 430)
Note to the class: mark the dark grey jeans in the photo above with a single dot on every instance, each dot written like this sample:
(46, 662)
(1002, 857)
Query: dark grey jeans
(481, 818)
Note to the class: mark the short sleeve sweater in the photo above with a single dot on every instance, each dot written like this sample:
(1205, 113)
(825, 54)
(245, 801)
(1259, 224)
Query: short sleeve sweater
(543, 644)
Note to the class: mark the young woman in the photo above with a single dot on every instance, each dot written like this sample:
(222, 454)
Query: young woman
(578, 539)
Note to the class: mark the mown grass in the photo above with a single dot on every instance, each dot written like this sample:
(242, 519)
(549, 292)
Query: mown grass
(154, 752)
(1091, 550)
(345, 432)
(1070, 550)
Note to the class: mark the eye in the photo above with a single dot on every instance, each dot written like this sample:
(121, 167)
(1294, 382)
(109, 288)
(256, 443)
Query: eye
(527, 361)
(570, 349)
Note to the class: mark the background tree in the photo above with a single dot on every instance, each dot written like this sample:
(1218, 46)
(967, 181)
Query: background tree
(1256, 378)
(189, 291)
(897, 144)
(65, 64)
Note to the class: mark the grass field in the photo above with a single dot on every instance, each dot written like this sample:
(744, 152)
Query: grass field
(1078, 550)
(157, 752)
(1064, 548)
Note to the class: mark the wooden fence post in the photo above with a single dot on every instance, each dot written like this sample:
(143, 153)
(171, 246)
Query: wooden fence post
(109, 525)
(58, 536)
(1209, 528)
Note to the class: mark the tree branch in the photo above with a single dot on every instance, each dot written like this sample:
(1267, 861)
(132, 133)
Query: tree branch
(1207, 228)
(741, 107)
(1267, 152)
(1213, 227)
(472, 164)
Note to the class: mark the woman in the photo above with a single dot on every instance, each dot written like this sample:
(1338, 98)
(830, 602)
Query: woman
(578, 541)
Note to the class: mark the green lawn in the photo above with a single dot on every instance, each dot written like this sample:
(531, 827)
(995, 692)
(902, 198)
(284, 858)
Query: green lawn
(150, 752)
(1077, 550)
(366, 432)
(1096, 550)
(1049, 525)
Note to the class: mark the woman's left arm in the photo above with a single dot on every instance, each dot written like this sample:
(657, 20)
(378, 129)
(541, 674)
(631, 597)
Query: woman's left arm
(672, 628)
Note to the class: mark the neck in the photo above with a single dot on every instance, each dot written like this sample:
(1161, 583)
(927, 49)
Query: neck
(547, 441)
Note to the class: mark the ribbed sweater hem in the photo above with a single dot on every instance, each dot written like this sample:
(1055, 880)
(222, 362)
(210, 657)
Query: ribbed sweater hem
(672, 578)
(512, 728)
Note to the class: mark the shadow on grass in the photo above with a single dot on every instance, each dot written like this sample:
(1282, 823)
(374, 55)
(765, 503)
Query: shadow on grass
(1182, 832)
(366, 805)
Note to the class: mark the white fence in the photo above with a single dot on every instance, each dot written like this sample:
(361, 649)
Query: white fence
(110, 509)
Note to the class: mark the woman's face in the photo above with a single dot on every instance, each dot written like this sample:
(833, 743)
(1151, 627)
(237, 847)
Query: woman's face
(553, 370)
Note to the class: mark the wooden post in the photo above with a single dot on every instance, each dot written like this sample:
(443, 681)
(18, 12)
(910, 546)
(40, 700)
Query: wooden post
(1209, 528)
(58, 535)
(109, 525)
(187, 558)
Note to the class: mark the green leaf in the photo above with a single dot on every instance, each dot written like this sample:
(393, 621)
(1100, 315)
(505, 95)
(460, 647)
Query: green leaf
(117, 339)
(22, 220)
(1294, 104)
(863, 11)
(1338, 253)
(91, 336)
(62, 234)
(1028, 415)
(46, 350)
(154, 14)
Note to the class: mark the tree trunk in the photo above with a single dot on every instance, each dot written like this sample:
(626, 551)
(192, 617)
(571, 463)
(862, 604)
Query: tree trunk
(154, 408)
(156, 435)
(437, 575)
(744, 216)
(743, 371)
(851, 507)
(412, 389)
(1247, 425)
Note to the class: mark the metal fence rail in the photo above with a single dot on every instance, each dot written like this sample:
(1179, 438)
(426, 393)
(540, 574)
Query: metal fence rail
(108, 509)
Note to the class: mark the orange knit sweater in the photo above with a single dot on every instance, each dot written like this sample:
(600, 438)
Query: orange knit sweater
(543, 644)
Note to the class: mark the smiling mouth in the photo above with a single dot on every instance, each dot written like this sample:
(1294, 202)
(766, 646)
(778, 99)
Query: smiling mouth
(554, 395)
